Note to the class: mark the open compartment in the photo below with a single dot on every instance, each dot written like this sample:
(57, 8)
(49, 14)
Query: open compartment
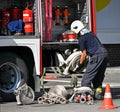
(17, 17)
(58, 16)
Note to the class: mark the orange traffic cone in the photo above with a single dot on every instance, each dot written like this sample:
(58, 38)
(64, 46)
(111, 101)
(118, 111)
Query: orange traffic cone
(107, 103)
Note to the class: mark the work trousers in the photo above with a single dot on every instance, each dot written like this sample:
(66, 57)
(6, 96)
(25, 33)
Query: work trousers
(94, 74)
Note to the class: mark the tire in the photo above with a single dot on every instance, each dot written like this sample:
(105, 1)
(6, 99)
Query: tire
(13, 73)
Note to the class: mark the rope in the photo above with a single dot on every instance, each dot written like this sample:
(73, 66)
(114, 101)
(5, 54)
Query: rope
(52, 99)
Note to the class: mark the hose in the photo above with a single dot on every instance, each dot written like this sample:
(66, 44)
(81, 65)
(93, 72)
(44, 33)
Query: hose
(83, 98)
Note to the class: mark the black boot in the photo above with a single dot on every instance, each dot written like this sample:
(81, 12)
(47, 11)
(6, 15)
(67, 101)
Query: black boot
(1, 100)
(98, 94)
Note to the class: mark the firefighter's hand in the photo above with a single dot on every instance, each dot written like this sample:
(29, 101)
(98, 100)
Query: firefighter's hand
(78, 67)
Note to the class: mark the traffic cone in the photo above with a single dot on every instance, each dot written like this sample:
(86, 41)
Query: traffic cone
(107, 103)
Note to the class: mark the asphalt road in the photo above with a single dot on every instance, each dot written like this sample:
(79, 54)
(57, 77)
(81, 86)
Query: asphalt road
(112, 77)
(71, 107)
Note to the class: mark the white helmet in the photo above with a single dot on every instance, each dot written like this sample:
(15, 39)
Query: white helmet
(76, 26)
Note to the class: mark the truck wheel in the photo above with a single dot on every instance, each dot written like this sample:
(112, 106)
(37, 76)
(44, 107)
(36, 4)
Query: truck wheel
(13, 72)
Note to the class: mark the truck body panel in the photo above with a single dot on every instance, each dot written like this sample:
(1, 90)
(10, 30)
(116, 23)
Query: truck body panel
(31, 43)
(108, 25)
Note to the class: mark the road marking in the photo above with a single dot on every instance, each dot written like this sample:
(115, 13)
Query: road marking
(112, 84)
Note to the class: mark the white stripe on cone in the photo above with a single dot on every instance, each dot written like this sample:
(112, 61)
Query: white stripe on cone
(107, 95)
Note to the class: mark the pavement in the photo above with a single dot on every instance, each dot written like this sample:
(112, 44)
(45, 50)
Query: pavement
(71, 107)
(110, 70)
(112, 77)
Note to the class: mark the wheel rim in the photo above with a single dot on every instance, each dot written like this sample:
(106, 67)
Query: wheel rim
(9, 77)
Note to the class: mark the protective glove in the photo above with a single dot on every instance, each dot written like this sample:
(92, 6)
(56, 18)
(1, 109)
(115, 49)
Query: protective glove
(78, 67)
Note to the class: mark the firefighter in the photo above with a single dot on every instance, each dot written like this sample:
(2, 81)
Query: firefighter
(96, 66)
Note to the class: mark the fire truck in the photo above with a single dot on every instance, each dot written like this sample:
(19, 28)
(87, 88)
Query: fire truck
(45, 32)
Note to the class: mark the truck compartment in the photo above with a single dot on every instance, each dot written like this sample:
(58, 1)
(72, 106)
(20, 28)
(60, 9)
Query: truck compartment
(17, 18)
(56, 27)
(58, 23)
(47, 18)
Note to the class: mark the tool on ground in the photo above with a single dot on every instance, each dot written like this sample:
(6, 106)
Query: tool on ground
(24, 95)
(82, 95)
(56, 95)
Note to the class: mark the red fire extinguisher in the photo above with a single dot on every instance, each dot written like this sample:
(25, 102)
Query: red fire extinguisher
(15, 13)
(58, 14)
(28, 20)
(66, 15)
(5, 18)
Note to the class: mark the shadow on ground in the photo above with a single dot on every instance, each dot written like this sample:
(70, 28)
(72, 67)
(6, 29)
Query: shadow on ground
(115, 93)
